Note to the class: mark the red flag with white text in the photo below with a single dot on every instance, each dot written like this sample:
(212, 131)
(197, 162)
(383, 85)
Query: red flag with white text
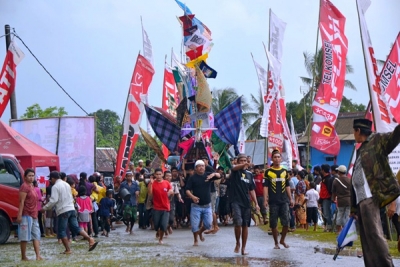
(140, 82)
(8, 74)
(326, 104)
(389, 80)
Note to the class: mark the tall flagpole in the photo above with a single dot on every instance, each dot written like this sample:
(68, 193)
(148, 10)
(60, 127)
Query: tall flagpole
(311, 92)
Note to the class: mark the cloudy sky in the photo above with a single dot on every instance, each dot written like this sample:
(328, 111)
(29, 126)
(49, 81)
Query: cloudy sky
(90, 46)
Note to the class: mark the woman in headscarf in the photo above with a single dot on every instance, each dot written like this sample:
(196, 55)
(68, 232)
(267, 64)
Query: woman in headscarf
(300, 191)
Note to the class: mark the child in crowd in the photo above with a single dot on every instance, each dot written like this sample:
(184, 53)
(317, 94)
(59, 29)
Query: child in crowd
(50, 215)
(311, 199)
(85, 208)
(105, 210)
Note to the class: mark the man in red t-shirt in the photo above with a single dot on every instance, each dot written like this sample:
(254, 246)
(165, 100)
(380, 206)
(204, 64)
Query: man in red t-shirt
(28, 225)
(259, 180)
(160, 190)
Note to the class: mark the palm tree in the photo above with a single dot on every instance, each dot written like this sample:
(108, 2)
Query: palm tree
(253, 131)
(225, 96)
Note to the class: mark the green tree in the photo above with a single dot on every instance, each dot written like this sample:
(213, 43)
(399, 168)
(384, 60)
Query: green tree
(35, 111)
(108, 128)
(253, 131)
(223, 97)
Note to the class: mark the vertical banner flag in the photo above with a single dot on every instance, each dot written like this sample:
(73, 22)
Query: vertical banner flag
(326, 104)
(242, 140)
(169, 98)
(262, 79)
(140, 82)
(383, 117)
(148, 54)
(389, 80)
(9, 74)
(295, 148)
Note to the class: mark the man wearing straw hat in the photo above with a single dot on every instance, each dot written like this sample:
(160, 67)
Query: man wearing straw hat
(373, 186)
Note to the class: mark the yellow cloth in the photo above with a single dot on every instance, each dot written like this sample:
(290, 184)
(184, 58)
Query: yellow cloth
(143, 192)
(197, 61)
(203, 95)
(98, 196)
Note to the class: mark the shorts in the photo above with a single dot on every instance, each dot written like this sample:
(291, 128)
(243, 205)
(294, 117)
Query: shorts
(342, 215)
(260, 202)
(28, 229)
(160, 219)
(130, 212)
(49, 222)
(64, 219)
(280, 211)
(200, 213)
(312, 215)
(83, 225)
(213, 201)
(241, 215)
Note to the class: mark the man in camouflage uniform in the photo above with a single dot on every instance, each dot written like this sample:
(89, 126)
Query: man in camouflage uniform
(373, 187)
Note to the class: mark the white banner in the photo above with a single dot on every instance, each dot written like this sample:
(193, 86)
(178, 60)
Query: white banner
(383, 118)
(242, 139)
(276, 32)
(263, 81)
(76, 144)
(147, 47)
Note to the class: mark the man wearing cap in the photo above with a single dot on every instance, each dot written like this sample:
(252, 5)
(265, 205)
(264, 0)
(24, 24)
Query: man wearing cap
(61, 198)
(373, 186)
(140, 166)
(130, 206)
(278, 197)
(341, 195)
(241, 187)
(198, 188)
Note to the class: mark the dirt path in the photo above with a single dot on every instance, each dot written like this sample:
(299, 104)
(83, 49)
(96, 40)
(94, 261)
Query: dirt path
(141, 249)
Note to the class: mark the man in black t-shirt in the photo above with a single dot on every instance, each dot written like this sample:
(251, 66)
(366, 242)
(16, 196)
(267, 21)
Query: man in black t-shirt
(278, 196)
(198, 189)
(241, 186)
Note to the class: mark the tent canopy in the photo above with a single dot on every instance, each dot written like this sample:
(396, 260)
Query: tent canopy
(29, 154)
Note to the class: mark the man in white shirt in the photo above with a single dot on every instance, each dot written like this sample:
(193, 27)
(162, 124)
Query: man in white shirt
(61, 198)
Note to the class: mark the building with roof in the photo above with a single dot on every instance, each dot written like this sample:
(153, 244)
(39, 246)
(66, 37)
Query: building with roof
(344, 129)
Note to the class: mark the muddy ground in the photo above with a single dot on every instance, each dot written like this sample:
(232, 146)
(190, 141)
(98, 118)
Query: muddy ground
(141, 249)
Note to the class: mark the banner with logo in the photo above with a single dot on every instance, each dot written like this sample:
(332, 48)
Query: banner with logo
(326, 104)
(140, 82)
(389, 80)
(8, 74)
(383, 118)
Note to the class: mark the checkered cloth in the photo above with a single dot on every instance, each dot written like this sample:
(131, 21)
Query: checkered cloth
(166, 131)
(228, 122)
(181, 111)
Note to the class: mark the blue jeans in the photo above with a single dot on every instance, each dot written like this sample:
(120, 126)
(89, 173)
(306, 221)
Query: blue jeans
(64, 219)
(200, 213)
(326, 210)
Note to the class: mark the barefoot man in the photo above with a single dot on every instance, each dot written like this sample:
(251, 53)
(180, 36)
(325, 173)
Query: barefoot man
(198, 188)
(241, 186)
(277, 195)
(160, 190)
(28, 225)
(61, 198)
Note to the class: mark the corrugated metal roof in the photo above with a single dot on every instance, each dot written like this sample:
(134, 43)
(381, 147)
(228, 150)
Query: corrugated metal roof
(105, 159)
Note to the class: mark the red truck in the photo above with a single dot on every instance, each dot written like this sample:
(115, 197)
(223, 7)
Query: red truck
(11, 178)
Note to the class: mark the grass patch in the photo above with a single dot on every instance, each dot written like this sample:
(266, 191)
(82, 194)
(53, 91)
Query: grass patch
(330, 239)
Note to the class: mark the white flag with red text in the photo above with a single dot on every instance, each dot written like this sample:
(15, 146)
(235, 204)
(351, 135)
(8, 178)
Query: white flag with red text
(326, 104)
(383, 118)
(140, 82)
(389, 80)
(8, 74)
(242, 138)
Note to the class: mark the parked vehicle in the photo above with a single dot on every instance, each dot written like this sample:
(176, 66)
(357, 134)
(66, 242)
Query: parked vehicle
(11, 178)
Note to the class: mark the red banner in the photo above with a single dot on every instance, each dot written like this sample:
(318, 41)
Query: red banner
(389, 80)
(329, 96)
(9, 74)
(141, 79)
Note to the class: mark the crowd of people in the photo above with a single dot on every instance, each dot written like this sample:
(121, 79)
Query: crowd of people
(200, 195)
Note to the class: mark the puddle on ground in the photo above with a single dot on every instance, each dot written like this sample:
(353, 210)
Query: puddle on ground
(252, 261)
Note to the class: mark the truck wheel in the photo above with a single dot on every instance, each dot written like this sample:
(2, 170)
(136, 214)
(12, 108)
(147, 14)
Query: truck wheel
(5, 230)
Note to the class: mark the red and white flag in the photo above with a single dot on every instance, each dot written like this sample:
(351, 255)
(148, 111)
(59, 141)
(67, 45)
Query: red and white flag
(140, 82)
(295, 148)
(389, 80)
(326, 104)
(383, 119)
(8, 74)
